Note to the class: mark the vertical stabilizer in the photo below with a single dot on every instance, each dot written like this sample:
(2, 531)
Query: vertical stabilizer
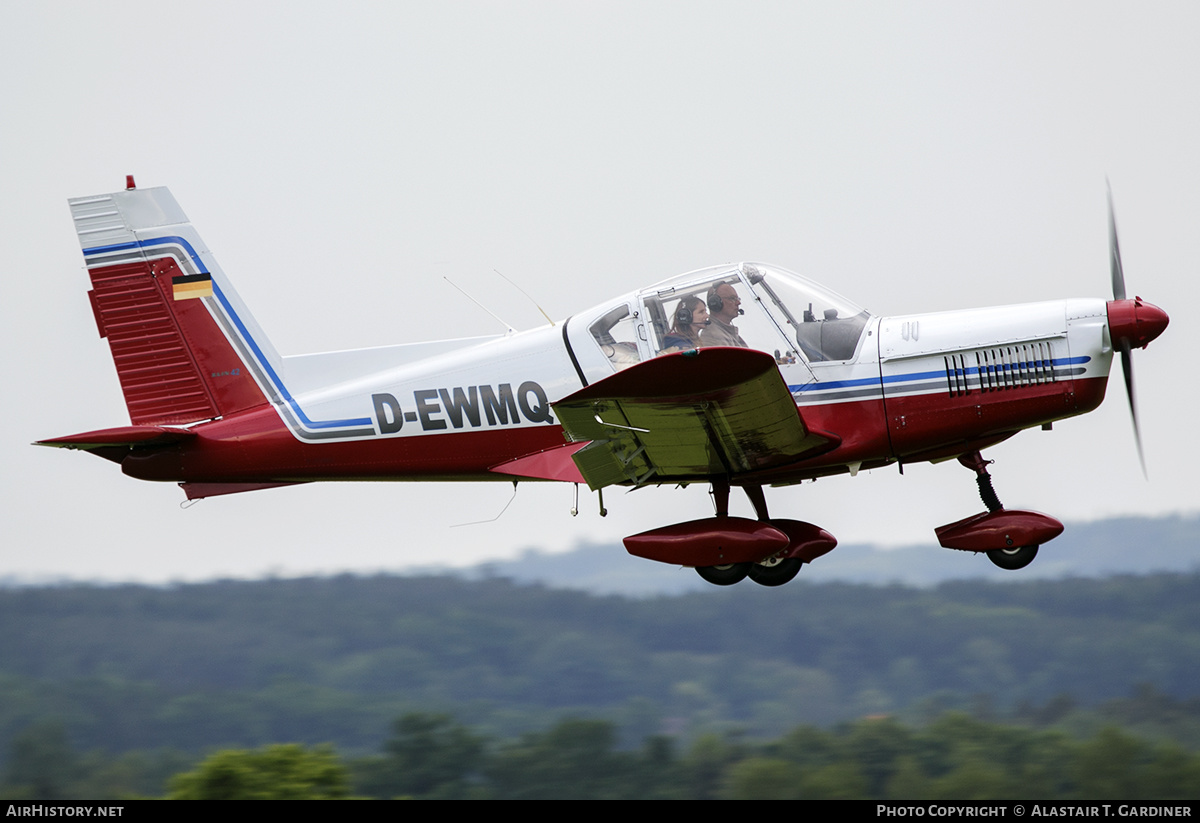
(185, 347)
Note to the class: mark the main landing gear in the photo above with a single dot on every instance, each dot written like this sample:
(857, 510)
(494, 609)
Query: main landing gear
(725, 550)
(805, 542)
(775, 571)
(1009, 537)
(725, 575)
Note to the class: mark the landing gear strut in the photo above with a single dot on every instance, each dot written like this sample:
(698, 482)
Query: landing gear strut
(987, 494)
(1010, 559)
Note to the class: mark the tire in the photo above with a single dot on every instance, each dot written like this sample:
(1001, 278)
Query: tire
(724, 575)
(1013, 559)
(775, 572)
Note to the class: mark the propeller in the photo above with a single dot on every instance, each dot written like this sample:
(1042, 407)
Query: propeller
(1131, 322)
(1114, 251)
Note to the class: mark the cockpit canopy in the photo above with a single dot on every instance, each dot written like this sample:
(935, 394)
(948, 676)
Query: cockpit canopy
(749, 305)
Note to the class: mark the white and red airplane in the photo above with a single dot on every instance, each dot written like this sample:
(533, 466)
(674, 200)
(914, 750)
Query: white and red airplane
(736, 375)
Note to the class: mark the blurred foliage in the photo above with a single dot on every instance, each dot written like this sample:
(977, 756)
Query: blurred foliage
(124, 685)
(244, 664)
(281, 772)
(428, 755)
(433, 756)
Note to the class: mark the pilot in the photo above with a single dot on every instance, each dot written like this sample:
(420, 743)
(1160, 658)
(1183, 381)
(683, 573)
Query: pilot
(724, 305)
(691, 315)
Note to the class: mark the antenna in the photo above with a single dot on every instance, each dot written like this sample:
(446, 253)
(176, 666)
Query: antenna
(502, 511)
(531, 300)
(501, 320)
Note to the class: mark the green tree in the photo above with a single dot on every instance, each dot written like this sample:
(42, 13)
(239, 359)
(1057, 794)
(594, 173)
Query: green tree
(428, 756)
(907, 782)
(874, 746)
(706, 763)
(1108, 765)
(1173, 773)
(573, 760)
(280, 772)
(974, 780)
(837, 781)
(763, 778)
(41, 763)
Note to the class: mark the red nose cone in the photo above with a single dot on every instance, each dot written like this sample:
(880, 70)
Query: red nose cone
(1135, 320)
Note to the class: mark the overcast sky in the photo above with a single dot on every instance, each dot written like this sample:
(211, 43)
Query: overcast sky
(340, 159)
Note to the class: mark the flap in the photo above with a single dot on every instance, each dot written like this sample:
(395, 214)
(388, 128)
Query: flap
(548, 464)
(688, 416)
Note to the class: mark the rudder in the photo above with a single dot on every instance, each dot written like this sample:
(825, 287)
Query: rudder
(185, 347)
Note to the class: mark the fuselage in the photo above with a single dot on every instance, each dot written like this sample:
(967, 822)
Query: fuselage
(911, 388)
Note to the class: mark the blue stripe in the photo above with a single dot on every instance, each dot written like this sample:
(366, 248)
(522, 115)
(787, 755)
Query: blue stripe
(927, 375)
(157, 241)
(262, 359)
(266, 366)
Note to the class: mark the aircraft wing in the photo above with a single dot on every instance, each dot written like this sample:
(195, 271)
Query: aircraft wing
(718, 412)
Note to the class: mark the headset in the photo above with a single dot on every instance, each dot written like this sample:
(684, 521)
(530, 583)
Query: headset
(716, 302)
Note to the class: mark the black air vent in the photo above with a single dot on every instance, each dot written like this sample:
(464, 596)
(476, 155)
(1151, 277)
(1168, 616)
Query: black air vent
(997, 369)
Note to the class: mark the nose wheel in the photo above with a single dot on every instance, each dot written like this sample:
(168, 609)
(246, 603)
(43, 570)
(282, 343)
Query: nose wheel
(1013, 559)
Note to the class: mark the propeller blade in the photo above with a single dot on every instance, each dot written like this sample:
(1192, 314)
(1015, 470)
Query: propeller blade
(1114, 252)
(1127, 368)
(1155, 319)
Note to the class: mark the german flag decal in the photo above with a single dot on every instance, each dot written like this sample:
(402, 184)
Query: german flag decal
(189, 286)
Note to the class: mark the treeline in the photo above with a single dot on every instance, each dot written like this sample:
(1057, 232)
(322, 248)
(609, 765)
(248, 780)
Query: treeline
(245, 664)
(430, 756)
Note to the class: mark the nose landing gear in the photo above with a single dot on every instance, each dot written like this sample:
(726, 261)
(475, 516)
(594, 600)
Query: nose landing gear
(1010, 537)
(1013, 559)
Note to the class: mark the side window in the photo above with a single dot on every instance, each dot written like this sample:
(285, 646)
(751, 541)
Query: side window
(677, 320)
(737, 318)
(722, 312)
(616, 335)
(656, 322)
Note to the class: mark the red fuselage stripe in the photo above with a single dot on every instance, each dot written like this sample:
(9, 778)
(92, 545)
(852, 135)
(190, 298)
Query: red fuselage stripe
(256, 447)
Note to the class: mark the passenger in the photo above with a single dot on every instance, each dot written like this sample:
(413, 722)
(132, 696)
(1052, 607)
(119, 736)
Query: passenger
(723, 305)
(690, 316)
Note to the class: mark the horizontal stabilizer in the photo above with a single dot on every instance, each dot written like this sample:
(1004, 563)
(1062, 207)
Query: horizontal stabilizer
(124, 436)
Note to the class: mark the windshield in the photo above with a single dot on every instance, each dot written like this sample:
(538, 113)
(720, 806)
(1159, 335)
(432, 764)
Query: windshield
(824, 325)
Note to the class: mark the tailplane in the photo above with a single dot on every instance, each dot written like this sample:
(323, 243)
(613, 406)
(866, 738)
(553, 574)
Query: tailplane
(185, 347)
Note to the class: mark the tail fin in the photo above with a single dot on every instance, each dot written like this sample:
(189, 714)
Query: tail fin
(185, 347)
